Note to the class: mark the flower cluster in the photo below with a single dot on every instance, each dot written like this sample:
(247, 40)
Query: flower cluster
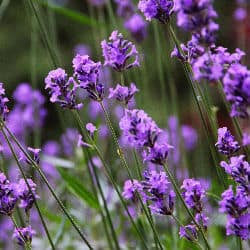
(198, 18)
(155, 191)
(120, 54)
(236, 204)
(158, 9)
(226, 143)
(3, 100)
(194, 195)
(10, 195)
(133, 22)
(122, 93)
(62, 89)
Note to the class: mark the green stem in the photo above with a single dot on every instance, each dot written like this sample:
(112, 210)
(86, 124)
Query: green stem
(26, 154)
(30, 190)
(177, 190)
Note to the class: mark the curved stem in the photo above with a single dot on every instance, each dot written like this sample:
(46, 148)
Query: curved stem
(74, 224)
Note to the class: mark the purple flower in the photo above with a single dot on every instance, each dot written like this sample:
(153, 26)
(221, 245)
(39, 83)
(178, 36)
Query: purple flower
(91, 128)
(197, 17)
(136, 26)
(36, 154)
(26, 194)
(81, 143)
(138, 128)
(3, 100)
(62, 89)
(8, 199)
(158, 9)
(236, 84)
(157, 154)
(239, 169)
(130, 188)
(240, 14)
(193, 194)
(122, 93)
(23, 235)
(158, 193)
(226, 143)
(236, 206)
(120, 54)
(87, 73)
(189, 232)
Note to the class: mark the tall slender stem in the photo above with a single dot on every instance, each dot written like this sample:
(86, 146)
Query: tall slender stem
(72, 221)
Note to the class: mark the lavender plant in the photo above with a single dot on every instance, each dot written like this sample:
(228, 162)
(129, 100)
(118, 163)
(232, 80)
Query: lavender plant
(92, 158)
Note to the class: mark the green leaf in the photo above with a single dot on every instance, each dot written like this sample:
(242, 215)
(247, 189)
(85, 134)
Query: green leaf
(71, 14)
(78, 189)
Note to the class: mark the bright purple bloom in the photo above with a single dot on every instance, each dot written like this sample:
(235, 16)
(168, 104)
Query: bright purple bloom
(193, 194)
(240, 14)
(24, 235)
(226, 143)
(130, 188)
(91, 128)
(36, 154)
(137, 27)
(157, 154)
(27, 195)
(81, 143)
(122, 93)
(158, 9)
(87, 73)
(237, 89)
(3, 100)
(239, 169)
(139, 129)
(62, 89)
(120, 54)
(236, 206)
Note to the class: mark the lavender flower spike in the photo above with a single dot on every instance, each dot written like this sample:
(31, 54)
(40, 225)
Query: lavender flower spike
(158, 9)
(226, 143)
(3, 100)
(23, 235)
(122, 93)
(62, 89)
(120, 54)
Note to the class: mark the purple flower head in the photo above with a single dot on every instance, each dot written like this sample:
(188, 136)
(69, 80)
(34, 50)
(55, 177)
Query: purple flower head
(125, 8)
(122, 93)
(246, 139)
(62, 89)
(23, 235)
(36, 154)
(120, 54)
(91, 128)
(139, 129)
(158, 9)
(157, 154)
(137, 26)
(226, 143)
(197, 17)
(26, 194)
(130, 188)
(3, 100)
(240, 14)
(193, 194)
(202, 219)
(236, 87)
(189, 232)
(87, 73)
(239, 169)
(189, 136)
(236, 206)
(158, 192)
